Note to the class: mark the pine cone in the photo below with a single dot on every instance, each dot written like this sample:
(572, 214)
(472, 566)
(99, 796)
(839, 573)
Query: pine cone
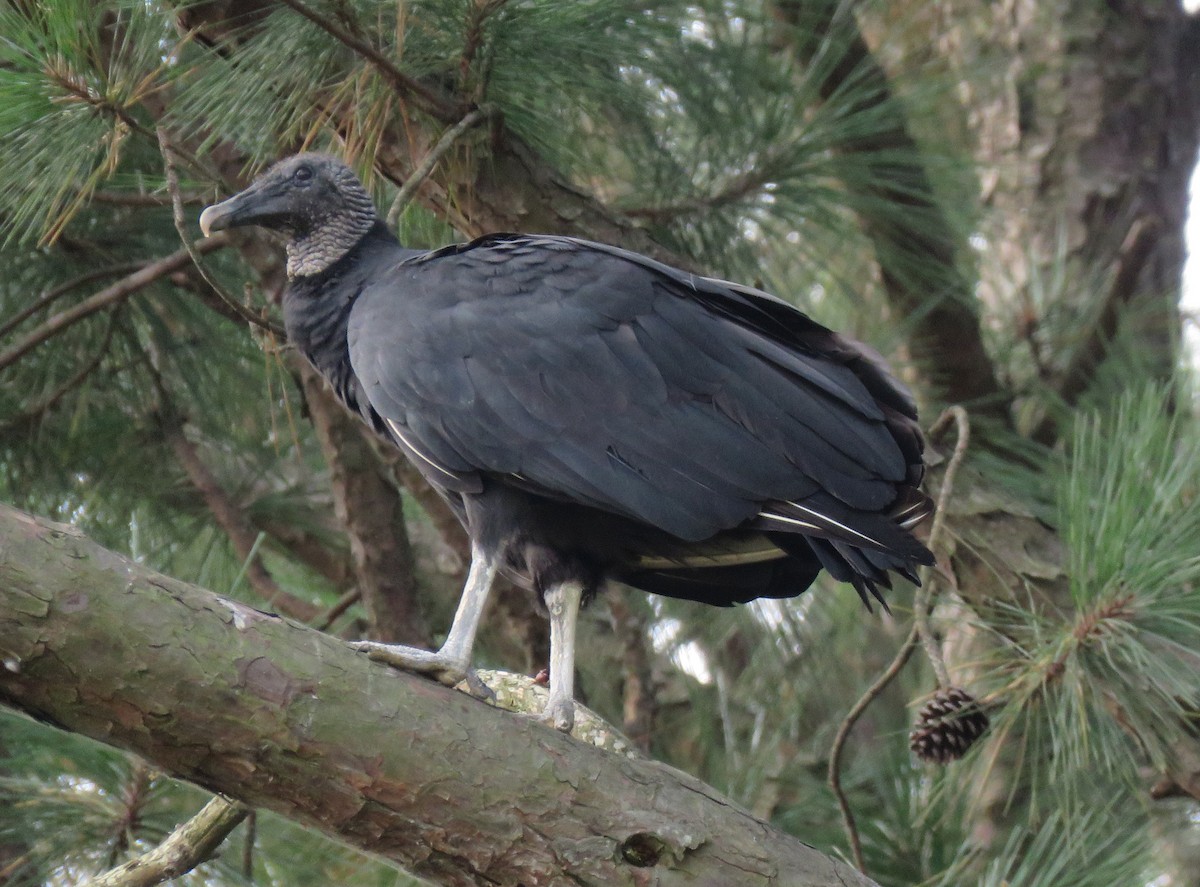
(947, 726)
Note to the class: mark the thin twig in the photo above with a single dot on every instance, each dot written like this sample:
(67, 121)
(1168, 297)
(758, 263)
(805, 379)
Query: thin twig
(323, 621)
(111, 295)
(248, 846)
(409, 190)
(429, 101)
(839, 743)
(61, 290)
(82, 93)
(229, 518)
(959, 415)
(738, 188)
(118, 198)
(1135, 252)
(168, 150)
(30, 414)
(923, 605)
(190, 844)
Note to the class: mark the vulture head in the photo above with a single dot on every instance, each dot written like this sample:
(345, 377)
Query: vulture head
(314, 200)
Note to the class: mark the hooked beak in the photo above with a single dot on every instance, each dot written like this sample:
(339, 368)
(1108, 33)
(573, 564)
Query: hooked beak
(259, 204)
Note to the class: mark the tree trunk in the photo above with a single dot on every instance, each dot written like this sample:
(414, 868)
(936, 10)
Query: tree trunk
(372, 512)
(283, 717)
(1086, 123)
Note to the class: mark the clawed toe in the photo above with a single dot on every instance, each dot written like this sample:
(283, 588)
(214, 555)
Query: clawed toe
(475, 687)
(441, 668)
(559, 714)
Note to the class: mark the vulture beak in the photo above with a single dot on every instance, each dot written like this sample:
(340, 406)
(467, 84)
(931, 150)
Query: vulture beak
(260, 204)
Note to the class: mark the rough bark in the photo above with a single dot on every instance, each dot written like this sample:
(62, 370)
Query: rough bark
(282, 717)
(1086, 122)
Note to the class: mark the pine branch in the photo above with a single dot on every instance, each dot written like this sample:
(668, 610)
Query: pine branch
(230, 519)
(110, 296)
(31, 414)
(168, 150)
(737, 188)
(52, 295)
(916, 251)
(308, 548)
(409, 189)
(123, 198)
(324, 621)
(923, 601)
(192, 843)
(423, 97)
(1135, 252)
(292, 720)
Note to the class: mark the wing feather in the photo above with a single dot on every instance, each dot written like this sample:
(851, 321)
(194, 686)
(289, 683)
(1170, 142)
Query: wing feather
(598, 376)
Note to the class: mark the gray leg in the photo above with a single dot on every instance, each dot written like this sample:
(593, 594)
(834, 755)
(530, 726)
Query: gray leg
(563, 603)
(452, 662)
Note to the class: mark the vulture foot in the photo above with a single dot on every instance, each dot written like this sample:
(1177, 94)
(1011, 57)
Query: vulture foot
(558, 713)
(447, 670)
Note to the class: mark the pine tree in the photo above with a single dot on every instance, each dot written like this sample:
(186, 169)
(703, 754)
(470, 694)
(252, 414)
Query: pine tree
(993, 198)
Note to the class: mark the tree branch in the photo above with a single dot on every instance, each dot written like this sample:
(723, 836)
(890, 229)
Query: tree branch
(425, 98)
(31, 414)
(111, 295)
(409, 189)
(190, 844)
(916, 249)
(283, 717)
(167, 149)
(1135, 252)
(232, 521)
(918, 633)
(371, 512)
(55, 293)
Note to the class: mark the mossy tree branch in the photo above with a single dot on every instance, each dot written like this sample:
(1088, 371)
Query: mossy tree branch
(280, 716)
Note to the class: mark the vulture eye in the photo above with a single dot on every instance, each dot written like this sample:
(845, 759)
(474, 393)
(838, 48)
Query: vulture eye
(302, 173)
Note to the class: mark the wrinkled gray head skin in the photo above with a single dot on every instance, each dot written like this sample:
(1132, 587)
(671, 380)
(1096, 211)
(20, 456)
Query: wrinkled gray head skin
(314, 200)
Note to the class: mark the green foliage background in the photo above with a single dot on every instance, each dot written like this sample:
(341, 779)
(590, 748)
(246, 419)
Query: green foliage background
(689, 120)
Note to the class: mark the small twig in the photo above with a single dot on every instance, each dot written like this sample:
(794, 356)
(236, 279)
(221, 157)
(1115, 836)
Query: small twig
(30, 414)
(110, 295)
(190, 844)
(839, 743)
(61, 290)
(229, 518)
(918, 632)
(167, 150)
(409, 189)
(248, 846)
(430, 101)
(1135, 252)
(323, 621)
(923, 604)
(82, 93)
(118, 198)
(228, 515)
(737, 188)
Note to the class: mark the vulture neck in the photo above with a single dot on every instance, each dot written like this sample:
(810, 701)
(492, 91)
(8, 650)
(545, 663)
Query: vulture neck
(316, 307)
(312, 253)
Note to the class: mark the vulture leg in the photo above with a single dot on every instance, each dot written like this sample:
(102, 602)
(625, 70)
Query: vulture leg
(562, 600)
(452, 663)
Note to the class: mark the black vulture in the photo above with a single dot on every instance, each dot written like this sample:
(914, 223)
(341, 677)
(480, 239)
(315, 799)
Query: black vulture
(591, 414)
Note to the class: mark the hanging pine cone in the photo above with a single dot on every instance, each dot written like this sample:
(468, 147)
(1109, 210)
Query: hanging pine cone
(947, 726)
